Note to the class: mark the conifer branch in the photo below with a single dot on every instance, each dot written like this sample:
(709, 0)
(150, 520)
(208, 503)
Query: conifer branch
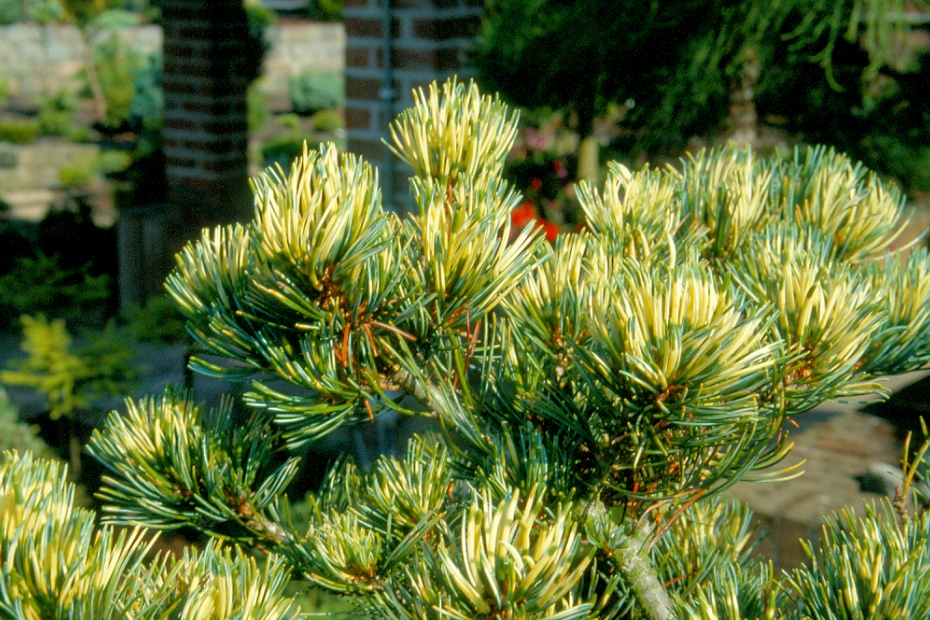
(641, 575)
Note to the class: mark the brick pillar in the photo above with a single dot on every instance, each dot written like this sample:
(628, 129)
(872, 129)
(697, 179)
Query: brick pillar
(209, 61)
(429, 41)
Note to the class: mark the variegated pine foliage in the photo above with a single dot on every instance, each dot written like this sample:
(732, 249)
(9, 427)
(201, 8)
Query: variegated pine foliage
(56, 564)
(596, 396)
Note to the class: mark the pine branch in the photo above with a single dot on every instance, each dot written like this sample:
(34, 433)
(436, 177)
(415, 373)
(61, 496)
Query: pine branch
(55, 565)
(641, 575)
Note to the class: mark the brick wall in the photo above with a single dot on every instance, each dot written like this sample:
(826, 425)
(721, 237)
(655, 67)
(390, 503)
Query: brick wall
(430, 39)
(208, 65)
(206, 75)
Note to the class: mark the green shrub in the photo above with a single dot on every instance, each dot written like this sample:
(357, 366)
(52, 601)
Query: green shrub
(290, 122)
(282, 150)
(148, 102)
(69, 378)
(257, 108)
(46, 11)
(16, 435)
(16, 241)
(327, 120)
(908, 163)
(79, 134)
(19, 132)
(11, 11)
(595, 396)
(56, 113)
(113, 162)
(77, 174)
(115, 18)
(260, 19)
(115, 63)
(311, 92)
(159, 321)
(41, 284)
(325, 10)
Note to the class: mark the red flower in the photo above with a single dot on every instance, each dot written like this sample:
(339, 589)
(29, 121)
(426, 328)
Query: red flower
(536, 185)
(550, 228)
(560, 170)
(523, 215)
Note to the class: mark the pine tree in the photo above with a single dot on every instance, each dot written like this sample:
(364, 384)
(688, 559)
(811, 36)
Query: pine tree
(595, 398)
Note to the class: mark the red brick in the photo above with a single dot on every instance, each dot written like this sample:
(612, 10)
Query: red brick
(362, 88)
(371, 150)
(358, 56)
(358, 118)
(356, 27)
(230, 130)
(445, 29)
(424, 59)
(179, 49)
(223, 165)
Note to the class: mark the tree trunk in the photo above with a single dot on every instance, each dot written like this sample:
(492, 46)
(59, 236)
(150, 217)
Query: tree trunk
(743, 119)
(588, 148)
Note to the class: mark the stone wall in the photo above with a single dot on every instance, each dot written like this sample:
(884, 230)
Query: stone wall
(28, 66)
(297, 47)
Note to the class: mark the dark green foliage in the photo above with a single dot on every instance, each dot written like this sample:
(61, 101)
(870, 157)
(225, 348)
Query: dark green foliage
(325, 10)
(17, 240)
(10, 11)
(148, 102)
(41, 284)
(880, 117)
(545, 53)
(19, 132)
(115, 64)
(159, 321)
(255, 44)
(311, 92)
(56, 113)
(283, 149)
(63, 267)
(257, 108)
(327, 120)
(144, 182)
(829, 71)
(69, 232)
